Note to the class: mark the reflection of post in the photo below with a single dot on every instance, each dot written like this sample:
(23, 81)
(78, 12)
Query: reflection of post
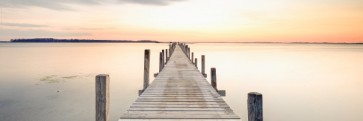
(146, 68)
(203, 66)
(255, 111)
(213, 78)
(102, 97)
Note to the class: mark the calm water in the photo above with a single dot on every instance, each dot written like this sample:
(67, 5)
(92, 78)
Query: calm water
(299, 82)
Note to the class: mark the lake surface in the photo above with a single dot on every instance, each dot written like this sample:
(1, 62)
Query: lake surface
(299, 82)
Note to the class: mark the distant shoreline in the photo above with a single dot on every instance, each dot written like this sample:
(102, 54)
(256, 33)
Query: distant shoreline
(53, 40)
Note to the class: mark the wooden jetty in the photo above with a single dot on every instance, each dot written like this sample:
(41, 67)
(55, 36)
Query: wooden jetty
(179, 92)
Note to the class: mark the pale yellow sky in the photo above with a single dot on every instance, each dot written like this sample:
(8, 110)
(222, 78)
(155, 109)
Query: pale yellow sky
(185, 20)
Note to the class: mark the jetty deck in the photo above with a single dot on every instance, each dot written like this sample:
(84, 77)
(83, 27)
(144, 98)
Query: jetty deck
(179, 92)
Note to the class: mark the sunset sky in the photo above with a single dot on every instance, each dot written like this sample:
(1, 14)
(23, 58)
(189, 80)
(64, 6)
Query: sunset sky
(185, 20)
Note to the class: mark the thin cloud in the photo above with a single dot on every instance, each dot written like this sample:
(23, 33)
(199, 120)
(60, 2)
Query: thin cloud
(15, 33)
(22, 25)
(151, 2)
(67, 4)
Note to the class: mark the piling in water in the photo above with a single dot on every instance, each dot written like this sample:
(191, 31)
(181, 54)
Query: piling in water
(166, 56)
(213, 78)
(192, 57)
(160, 62)
(196, 63)
(146, 68)
(102, 97)
(255, 111)
(203, 66)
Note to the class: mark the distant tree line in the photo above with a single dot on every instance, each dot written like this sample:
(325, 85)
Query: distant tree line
(79, 40)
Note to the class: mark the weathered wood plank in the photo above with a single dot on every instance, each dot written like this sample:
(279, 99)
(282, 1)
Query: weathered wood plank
(179, 92)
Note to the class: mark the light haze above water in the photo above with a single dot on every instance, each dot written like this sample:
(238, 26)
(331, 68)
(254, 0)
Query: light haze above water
(299, 82)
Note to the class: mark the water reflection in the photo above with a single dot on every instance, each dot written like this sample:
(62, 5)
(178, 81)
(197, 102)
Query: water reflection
(55, 81)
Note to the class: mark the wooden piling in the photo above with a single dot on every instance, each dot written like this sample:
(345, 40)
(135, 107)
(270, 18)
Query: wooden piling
(160, 62)
(163, 59)
(166, 56)
(102, 97)
(146, 68)
(255, 111)
(203, 66)
(192, 57)
(196, 63)
(213, 78)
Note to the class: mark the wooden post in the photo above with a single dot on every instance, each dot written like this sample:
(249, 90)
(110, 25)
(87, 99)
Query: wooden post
(213, 78)
(170, 51)
(186, 50)
(146, 68)
(255, 107)
(160, 62)
(189, 52)
(163, 59)
(203, 66)
(102, 97)
(166, 56)
(196, 63)
(193, 58)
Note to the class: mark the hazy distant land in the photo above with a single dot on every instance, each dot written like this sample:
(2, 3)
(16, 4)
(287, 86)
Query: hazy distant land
(53, 40)
(81, 40)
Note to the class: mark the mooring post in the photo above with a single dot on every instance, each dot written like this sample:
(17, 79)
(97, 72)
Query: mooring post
(163, 59)
(160, 62)
(213, 78)
(192, 57)
(189, 52)
(186, 50)
(196, 63)
(102, 97)
(203, 66)
(146, 68)
(166, 56)
(255, 111)
(170, 51)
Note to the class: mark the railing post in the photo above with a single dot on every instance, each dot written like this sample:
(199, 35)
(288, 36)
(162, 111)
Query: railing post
(255, 111)
(102, 97)
(203, 66)
(196, 63)
(213, 78)
(166, 56)
(192, 59)
(163, 59)
(188, 52)
(160, 62)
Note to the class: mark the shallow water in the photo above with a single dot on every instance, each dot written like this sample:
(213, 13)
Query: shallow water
(299, 82)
